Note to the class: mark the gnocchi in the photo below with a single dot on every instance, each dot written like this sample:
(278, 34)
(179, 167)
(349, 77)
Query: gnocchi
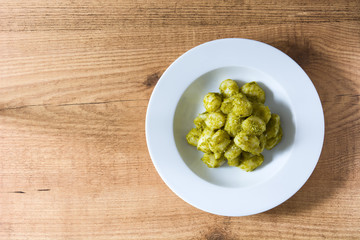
(232, 152)
(210, 160)
(228, 88)
(233, 124)
(215, 120)
(253, 92)
(236, 127)
(212, 102)
(249, 161)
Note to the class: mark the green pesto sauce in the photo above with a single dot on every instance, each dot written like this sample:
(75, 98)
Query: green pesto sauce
(236, 127)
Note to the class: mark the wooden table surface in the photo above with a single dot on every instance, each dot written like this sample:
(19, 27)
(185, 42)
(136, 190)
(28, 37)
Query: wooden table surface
(75, 81)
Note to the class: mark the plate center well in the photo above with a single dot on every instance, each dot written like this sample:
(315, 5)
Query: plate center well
(191, 104)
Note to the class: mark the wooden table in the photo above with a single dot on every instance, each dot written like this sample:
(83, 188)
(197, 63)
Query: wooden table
(75, 81)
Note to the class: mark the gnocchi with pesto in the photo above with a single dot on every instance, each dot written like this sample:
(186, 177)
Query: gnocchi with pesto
(236, 127)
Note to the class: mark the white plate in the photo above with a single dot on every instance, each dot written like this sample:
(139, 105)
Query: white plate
(177, 99)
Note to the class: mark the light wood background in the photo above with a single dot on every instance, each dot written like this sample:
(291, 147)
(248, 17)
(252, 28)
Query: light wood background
(75, 81)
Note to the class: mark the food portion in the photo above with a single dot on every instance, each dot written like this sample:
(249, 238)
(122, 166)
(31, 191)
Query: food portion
(236, 127)
(212, 102)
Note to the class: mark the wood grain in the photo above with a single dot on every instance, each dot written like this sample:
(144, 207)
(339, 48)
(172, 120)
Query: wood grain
(75, 80)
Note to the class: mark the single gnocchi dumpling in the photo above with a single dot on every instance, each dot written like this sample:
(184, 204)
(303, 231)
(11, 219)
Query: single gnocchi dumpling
(219, 141)
(228, 88)
(233, 124)
(248, 143)
(199, 121)
(215, 120)
(212, 101)
(234, 162)
(272, 142)
(232, 151)
(193, 136)
(253, 125)
(242, 107)
(210, 160)
(261, 111)
(204, 140)
(226, 105)
(273, 126)
(249, 161)
(253, 92)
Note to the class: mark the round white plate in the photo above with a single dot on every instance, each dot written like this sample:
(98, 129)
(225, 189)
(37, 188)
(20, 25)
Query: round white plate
(177, 99)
